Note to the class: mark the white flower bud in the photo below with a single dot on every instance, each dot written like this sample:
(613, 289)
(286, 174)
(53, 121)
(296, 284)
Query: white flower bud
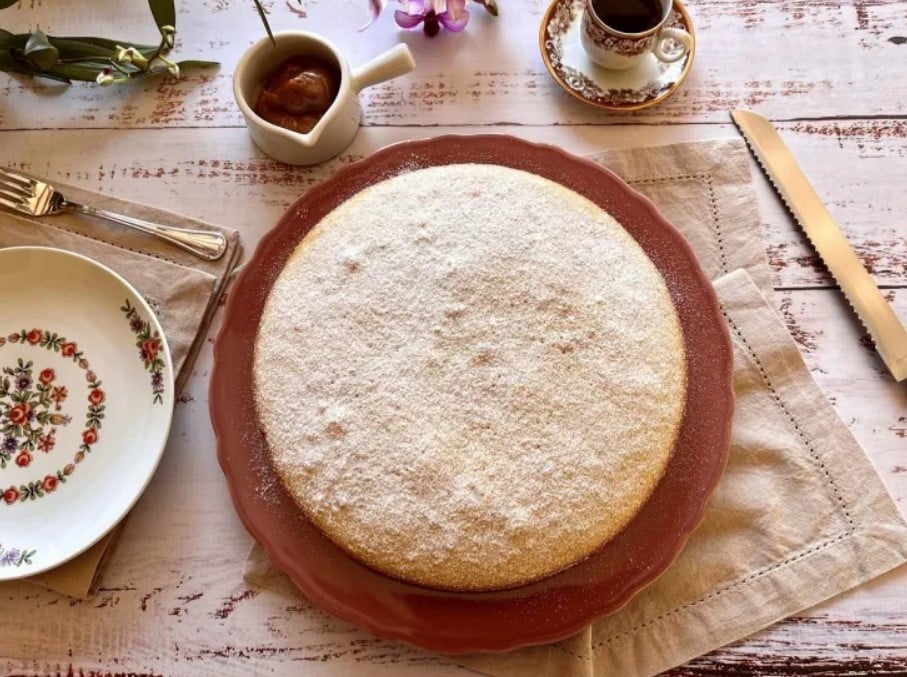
(161, 62)
(136, 57)
(168, 33)
(105, 78)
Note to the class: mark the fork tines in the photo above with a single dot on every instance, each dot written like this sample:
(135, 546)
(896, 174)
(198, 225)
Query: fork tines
(15, 189)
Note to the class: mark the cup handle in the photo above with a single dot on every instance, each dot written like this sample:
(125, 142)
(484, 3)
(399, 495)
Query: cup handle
(391, 64)
(681, 36)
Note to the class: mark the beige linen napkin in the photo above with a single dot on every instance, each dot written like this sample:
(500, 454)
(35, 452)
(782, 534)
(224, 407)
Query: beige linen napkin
(182, 289)
(799, 515)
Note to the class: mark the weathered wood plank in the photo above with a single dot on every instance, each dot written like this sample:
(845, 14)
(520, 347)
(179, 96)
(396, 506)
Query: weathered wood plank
(790, 59)
(856, 165)
(814, 645)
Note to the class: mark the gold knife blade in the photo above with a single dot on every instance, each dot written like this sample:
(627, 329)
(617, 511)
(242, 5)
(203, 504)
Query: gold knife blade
(861, 291)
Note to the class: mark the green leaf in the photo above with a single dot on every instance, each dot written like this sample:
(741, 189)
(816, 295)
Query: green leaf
(69, 72)
(77, 49)
(12, 42)
(105, 43)
(195, 63)
(164, 12)
(66, 59)
(10, 64)
(39, 52)
(264, 20)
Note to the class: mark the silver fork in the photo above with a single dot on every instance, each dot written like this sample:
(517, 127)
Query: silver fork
(36, 198)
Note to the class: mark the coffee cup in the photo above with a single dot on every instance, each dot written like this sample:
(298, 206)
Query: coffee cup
(619, 34)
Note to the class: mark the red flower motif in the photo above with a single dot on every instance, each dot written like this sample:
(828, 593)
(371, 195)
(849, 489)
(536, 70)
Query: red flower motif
(90, 436)
(23, 459)
(150, 348)
(68, 349)
(96, 396)
(58, 394)
(11, 495)
(50, 483)
(47, 376)
(19, 414)
(34, 336)
(46, 442)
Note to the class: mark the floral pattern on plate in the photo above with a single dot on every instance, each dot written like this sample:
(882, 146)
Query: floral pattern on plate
(149, 344)
(15, 557)
(31, 412)
(574, 72)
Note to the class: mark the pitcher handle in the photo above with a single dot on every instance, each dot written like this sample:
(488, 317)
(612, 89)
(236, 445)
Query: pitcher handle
(391, 64)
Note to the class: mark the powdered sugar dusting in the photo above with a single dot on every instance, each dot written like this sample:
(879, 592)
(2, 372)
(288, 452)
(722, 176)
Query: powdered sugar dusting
(469, 376)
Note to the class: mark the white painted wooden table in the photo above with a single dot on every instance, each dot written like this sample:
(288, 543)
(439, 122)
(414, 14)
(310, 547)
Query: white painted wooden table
(831, 73)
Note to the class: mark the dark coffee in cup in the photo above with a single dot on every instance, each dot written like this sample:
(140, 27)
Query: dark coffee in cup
(620, 34)
(629, 16)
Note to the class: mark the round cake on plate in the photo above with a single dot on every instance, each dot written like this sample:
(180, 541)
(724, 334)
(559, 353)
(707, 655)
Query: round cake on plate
(469, 377)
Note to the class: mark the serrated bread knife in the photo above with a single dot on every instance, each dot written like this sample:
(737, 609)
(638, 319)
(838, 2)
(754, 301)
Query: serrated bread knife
(864, 296)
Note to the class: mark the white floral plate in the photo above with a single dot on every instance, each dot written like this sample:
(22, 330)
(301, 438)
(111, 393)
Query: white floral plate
(639, 87)
(86, 400)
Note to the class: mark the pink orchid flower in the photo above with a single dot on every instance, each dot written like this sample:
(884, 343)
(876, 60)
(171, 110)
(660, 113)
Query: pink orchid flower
(432, 14)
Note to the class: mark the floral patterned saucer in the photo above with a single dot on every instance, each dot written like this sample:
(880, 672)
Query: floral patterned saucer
(86, 399)
(642, 86)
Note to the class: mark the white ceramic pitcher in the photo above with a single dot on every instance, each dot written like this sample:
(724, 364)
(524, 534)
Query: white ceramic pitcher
(339, 124)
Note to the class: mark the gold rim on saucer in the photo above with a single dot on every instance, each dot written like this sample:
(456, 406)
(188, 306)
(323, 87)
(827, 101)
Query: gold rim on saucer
(559, 19)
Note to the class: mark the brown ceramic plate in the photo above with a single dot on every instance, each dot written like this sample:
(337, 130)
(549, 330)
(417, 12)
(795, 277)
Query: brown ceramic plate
(544, 611)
